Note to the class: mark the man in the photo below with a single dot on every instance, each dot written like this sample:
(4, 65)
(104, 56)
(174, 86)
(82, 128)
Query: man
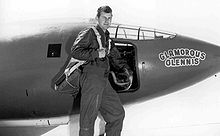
(97, 93)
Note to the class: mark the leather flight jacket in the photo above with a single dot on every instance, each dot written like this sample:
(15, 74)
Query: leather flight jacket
(86, 48)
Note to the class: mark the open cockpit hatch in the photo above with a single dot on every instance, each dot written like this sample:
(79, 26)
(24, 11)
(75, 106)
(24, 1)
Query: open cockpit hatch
(128, 53)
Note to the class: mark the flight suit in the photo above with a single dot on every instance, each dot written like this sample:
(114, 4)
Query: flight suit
(96, 91)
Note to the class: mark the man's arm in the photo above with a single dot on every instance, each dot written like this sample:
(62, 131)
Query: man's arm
(82, 48)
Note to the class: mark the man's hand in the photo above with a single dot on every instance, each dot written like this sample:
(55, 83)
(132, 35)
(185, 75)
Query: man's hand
(102, 53)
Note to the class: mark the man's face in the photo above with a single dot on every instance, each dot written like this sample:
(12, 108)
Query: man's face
(105, 20)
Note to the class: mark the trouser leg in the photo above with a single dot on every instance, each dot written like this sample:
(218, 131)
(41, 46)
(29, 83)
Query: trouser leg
(112, 111)
(92, 90)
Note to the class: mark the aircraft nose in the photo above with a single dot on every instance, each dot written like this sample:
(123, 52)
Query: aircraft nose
(204, 56)
(209, 53)
(212, 58)
(213, 55)
(218, 57)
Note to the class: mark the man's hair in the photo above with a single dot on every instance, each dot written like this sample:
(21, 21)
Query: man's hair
(105, 9)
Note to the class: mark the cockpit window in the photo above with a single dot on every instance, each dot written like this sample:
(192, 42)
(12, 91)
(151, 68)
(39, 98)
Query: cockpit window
(138, 33)
(113, 30)
(127, 33)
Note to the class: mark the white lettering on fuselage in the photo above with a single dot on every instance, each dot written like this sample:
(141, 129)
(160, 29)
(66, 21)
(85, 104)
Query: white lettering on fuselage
(182, 57)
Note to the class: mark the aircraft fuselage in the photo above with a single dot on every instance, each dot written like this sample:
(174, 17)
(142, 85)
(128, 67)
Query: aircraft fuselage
(29, 63)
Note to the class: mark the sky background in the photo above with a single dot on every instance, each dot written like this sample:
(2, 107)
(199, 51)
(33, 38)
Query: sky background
(191, 111)
(196, 18)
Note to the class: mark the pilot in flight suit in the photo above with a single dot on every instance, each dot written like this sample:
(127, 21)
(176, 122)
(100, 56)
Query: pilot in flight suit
(96, 91)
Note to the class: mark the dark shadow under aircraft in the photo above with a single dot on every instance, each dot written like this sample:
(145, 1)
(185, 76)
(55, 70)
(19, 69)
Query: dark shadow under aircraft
(33, 53)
